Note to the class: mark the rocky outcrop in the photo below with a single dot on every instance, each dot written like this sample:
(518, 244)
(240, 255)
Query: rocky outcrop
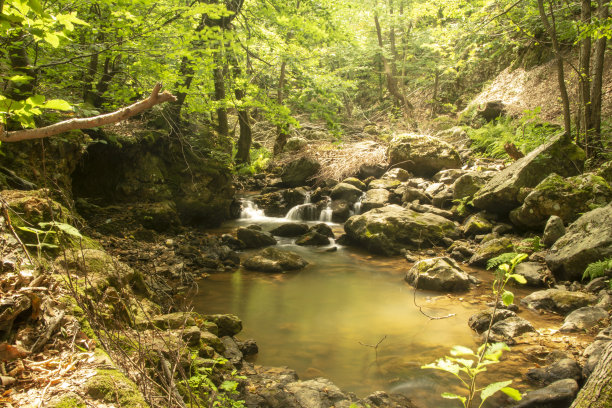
(438, 274)
(587, 240)
(388, 229)
(501, 193)
(274, 260)
(422, 155)
(565, 198)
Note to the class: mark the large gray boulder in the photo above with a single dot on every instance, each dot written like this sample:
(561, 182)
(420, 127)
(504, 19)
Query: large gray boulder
(274, 260)
(558, 300)
(583, 319)
(345, 191)
(587, 240)
(566, 198)
(422, 155)
(300, 172)
(388, 229)
(500, 194)
(375, 198)
(438, 274)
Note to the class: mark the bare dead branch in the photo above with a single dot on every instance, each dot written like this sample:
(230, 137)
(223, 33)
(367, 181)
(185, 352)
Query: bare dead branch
(86, 123)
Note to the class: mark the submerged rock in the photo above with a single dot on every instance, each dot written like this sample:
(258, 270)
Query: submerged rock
(422, 155)
(254, 239)
(388, 229)
(587, 240)
(290, 229)
(501, 193)
(438, 274)
(312, 238)
(558, 301)
(274, 260)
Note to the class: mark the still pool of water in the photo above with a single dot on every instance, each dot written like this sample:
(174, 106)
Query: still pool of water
(323, 320)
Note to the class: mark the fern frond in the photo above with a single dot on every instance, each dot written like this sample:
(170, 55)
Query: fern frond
(501, 259)
(597, 269)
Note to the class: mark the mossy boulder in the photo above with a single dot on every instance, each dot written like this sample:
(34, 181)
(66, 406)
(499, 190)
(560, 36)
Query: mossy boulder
(300, 172)
(501, 193)
(468, 184)
(490, 249)
(477, 224)
(384, 184)
(422, 155)
(355, 182)
(566, 198)
(587, 240)
(438, 274)
(274, 260)
(388, 229)
(67, 400)
(113, 387)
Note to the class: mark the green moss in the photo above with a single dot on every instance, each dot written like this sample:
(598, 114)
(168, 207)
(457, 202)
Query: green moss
(70, 400)
(112, 386)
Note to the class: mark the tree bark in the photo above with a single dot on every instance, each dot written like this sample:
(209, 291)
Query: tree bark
(86, 123)
(282, 130)
(597, 79)
(20, 62)
(585, 75)
(243, 151)
(552, 32)
(219, 82)
(392, 85)
(597, 392)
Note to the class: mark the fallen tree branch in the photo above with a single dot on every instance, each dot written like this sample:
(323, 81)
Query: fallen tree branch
(86, 123)
(52, 326)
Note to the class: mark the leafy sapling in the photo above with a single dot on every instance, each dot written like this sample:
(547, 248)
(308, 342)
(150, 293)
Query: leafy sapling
(464, 363)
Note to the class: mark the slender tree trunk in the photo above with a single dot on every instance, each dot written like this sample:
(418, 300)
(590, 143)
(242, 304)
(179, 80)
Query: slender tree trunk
(20, 62)
(552, 32)
(585, 76)
(219, 82)
(392, 85)
(597, 392)
(282, 130)
(243, 151)
(597, 79)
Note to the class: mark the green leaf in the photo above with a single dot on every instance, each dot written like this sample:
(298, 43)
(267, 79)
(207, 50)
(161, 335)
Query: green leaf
(461, 351)
(519, 278)
(35, 6)
(57, 104)
(52, 39)
(493, 388)
(66, 228)
(444, 365)
(507, 298)
(512, 393)
(36, 100)
(20, 79)
(449, 395)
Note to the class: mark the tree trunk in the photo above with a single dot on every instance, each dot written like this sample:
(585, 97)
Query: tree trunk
(282, 130)
(597, 79)
(552, 32)
(219, 81)
(20, 62)
(585, 73)
(243, 151)
(597, 392)
(392, 85)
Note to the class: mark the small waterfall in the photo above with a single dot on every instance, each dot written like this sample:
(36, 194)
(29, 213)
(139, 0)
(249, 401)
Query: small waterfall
(326, 214)
(303, 212)
(357, 205)
(250, 210)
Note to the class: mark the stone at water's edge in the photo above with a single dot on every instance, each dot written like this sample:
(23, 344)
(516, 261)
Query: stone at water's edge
(558, 301)
(274, 260)
(255, 239)
(587, 240)
(500, 194)
(345, 191)
(290, 229)
(558, 394)
(559, 370)
(388, 229)
(438, 274)
(481, 320)
(583, 319)
(299, 172)
(375, 198)
(422, 155)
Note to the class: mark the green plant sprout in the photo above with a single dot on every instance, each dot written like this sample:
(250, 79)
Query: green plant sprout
(464, 363)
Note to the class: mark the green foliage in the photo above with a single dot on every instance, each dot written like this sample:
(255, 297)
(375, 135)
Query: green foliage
(205, 390)
(598, 269)
(259, 162)
(533, 244)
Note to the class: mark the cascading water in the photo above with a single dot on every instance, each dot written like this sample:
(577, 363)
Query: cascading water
(250, 210)
(357, 205)
(326, 214)
(303, 212)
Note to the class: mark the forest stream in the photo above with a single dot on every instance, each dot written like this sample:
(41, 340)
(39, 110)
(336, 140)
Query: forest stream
(326, 320)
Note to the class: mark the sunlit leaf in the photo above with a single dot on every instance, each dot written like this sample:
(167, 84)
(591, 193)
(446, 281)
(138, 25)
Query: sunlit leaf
(57, 104)
(449, 395)
(493, 388)
(52, 39)
(461, 351)
(507, 298)
(512, 393)
(519, 278)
